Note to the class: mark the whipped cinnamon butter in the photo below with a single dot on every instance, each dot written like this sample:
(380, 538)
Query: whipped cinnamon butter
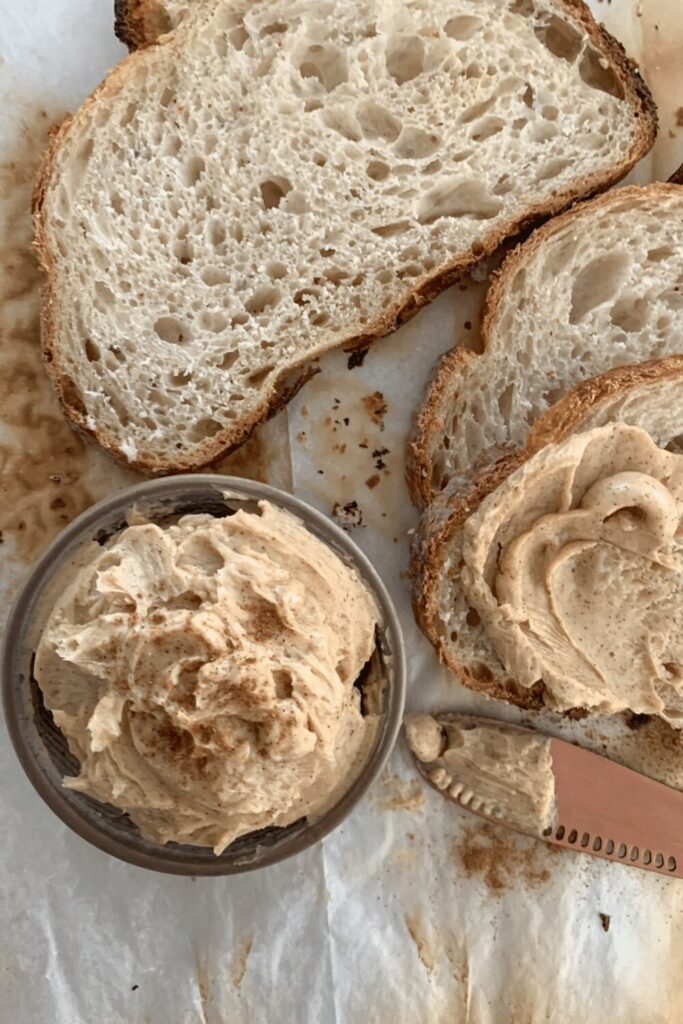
(492, 768)
(203, 674)
(574, 565)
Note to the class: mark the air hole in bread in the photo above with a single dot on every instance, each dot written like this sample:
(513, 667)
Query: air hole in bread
(384, 276)
(216, 233)
(220, 45)
(275, 29)
(119, 408)
(214, 276)
(193, 170)
(458, 197)
(335, 275)
(378, 170)
(473, 620)
(171, 145)
(257, 377)
(183, 251)
(325, 63)
(229, 359)
(411, 270)
(319, 319)
(630, 313)
(128, 114)
(489, 127)
(552, 168)
(503, 186)
(92, 351)
(597, 283)
(463, 26)
(405, 58)
(179, 378)
(239, 319)
(473, 70)
(265, 297)
(377, 122)
(523, 7)
(79, 165)
(305, 296)
(238, 37)
(415, 144)
(215, 322)
(273, 191)
(476, 111)
(664, 252)
(549, 112)
(104, 297)
(276, 271)
(172, 330)
(310, 106)
(71, 395)
(389, 230)
(342, 122)
(205, 428)
(560, 38)
(598, 74)
(505, 401)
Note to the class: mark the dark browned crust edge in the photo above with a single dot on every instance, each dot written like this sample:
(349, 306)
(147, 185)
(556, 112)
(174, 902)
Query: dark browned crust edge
(419, 466)
(139, 23)
(635, 92)
(448, 512)
(569, 414)
(677, 177)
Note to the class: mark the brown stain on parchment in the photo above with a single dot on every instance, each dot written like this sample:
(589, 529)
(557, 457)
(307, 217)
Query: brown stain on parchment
(397, 795)
(42, 460)
(502, 860)
(423, 945)
(240, 962)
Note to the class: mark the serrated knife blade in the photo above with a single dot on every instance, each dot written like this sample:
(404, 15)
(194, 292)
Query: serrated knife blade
(601, 808)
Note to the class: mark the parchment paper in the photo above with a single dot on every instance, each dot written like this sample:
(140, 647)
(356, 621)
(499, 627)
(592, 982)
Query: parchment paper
(413, 910)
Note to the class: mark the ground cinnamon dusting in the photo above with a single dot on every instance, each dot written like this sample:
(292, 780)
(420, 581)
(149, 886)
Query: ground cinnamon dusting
(501, 859)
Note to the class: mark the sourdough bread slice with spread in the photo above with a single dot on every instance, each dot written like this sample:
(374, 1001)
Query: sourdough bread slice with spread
(646, 396)
(274, 179)
(597, 287)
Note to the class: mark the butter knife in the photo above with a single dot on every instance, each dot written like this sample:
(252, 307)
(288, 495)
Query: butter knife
(551, 789)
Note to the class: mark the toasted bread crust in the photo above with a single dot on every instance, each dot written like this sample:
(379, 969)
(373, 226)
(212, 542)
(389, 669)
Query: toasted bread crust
(447, 514)
(570, 414)
(420, 465)
(135, 19)
(139, 23)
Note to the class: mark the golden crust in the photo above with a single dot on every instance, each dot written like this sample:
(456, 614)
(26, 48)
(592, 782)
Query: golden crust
(421, 446)
(135, 21)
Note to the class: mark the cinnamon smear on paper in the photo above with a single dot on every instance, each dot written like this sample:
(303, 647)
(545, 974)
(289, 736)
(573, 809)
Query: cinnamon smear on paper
(501, 859)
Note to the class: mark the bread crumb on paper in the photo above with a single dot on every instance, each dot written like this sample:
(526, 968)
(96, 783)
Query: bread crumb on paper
(605, 920)
(376, 407)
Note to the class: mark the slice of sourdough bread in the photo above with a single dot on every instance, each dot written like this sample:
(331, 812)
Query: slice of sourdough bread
(649, 396)
(274, 179)
(598, 287)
